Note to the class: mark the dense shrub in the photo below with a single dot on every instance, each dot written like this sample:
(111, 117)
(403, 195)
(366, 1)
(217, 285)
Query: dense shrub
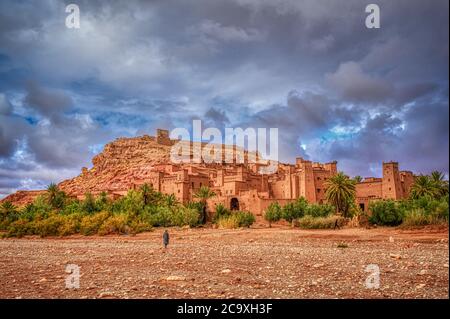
(88, 205)
(273, 213)
(71, 225)
(49, 226)
(160, 216)
(221, 211)
(385, 212)
(310, 222)
(245, 219)
(236, 220)
(416, 217)
(91, 224)
(138, 226)
(20, 228)
(185, 216)
(322, 210)
(116, 224)
(228, 222)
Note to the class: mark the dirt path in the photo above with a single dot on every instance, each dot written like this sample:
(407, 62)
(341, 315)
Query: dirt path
(277, 262)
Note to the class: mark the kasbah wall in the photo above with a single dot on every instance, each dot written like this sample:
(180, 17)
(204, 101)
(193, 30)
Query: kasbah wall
(128, 163)
(241, 187)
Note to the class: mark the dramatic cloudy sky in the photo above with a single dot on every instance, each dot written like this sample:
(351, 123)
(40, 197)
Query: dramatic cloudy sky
(335, 89)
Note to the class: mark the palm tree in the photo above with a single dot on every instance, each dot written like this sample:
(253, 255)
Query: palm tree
(8, 208)
(146, 191)
(203, 194)
(440, 183)
(424, 186)
(52, 192)
(171, 200)
(55, 197)
(358, 179)
(340, 192)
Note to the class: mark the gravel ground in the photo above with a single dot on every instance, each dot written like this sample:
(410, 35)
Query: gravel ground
(275, 262)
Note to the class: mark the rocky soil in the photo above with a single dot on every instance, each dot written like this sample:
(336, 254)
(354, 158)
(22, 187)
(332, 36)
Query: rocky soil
(212, 263)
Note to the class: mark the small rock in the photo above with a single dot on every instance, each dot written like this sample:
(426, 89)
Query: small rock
(420, 286)
(391, 239)
(318, 265)
(104, 294)
(422, 272)
(175, 278)
(226, 271)
(395, 256)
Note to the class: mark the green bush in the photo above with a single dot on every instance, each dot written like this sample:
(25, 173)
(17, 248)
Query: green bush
(294, 210)
(236, 220)
(386, 212)
(88, 205)
(116, 224)
(322, 210)
(273, 213)
(20, 228)
(416, 217)
(221, 211)
(160, 217)
(245, 219)
(138, 226)
(91, 224)
(229, 222)
(310, 222)
(185, 216)
(49, 226)
(71, 225)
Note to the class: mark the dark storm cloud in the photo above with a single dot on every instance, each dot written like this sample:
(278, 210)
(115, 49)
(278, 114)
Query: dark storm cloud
(5, 105)
(335, 89)
(216, 118)
(49, 103)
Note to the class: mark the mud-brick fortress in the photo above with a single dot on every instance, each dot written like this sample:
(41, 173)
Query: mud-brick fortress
(128, 163)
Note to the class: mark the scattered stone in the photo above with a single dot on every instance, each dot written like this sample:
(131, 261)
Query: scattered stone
(175, 278)
(420, 286)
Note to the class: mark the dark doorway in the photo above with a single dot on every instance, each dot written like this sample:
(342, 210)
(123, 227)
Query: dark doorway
(234, 204)
(361, 205)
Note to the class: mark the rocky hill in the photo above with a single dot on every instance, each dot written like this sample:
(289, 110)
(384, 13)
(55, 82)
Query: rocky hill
(120, 164)
(115, 168)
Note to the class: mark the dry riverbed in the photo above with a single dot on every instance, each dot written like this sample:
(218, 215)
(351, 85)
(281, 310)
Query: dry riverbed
(275, 262)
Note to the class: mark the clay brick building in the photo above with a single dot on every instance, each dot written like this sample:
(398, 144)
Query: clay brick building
(242, 187)
(394, 184)
(128, 163)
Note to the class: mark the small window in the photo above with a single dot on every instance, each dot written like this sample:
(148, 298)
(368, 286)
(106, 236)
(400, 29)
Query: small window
(318, 190)
(192, 184)
(389, 188)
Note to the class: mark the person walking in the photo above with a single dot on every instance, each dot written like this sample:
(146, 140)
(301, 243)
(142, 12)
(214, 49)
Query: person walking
(166, 238)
